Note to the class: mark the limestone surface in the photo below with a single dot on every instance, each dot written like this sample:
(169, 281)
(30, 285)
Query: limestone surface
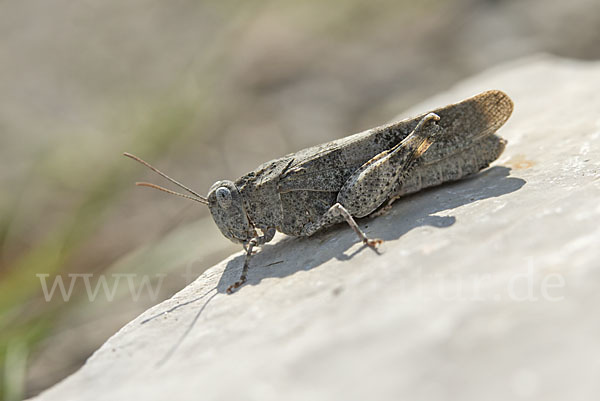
(485, 289)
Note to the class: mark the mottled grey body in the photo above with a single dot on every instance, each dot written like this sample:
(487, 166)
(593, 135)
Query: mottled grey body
(300, 193)
(293, 193)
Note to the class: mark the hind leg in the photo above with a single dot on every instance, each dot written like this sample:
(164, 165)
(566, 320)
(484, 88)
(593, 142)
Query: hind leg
(374, 182)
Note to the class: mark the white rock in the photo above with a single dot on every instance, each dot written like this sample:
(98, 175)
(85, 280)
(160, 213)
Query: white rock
(486, 290)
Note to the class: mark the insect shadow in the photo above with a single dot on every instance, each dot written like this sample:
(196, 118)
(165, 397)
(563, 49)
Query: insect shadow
(408, 213)
(417, 210)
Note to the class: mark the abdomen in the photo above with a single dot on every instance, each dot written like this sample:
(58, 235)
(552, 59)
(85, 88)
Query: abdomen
(459, 165)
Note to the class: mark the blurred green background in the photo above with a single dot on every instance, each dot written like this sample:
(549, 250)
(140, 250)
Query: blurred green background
(205, 90)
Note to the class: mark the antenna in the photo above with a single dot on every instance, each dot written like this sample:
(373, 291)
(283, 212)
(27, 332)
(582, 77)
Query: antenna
(197, 197)
(150, 185)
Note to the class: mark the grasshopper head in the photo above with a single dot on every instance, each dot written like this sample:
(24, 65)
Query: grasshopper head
(227, 209)
(224, 201)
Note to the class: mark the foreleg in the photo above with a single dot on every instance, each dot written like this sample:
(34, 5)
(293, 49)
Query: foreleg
(248, 246)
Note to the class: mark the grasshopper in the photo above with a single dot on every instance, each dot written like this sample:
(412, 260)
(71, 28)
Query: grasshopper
(356, 176)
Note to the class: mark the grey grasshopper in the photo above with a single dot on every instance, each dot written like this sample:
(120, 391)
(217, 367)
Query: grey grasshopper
(356, 176)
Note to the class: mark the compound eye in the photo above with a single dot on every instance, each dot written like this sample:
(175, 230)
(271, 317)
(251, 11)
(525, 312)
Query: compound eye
(223, 197)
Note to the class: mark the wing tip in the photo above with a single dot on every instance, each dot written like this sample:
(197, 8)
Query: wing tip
(497, 104)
